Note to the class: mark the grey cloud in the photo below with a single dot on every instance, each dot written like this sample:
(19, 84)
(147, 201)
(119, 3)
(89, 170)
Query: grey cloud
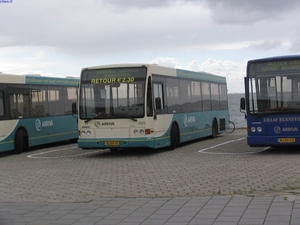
(102, 27)
(248, 12)
(138, 4)
(295, 47)
(147, 3)
(266, 45)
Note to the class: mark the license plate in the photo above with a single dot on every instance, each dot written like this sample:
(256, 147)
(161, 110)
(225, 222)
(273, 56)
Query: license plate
(286, 140)
(112, 143)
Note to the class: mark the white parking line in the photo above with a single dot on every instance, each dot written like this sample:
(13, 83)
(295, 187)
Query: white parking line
(228, 153)
(36, 155)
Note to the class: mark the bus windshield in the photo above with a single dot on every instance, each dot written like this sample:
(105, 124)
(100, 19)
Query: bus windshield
(274, 93)
(112, 93)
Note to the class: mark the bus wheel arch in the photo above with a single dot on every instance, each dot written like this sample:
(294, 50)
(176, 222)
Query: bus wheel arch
(21, 141)
(214, 128)
(174, 136)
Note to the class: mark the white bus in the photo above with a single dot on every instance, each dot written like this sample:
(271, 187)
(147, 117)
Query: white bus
(36, 110)
(137, 106)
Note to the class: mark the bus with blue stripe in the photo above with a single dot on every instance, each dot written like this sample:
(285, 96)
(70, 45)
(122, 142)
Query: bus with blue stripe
(148, 106)
(272, 101)
(36, 110)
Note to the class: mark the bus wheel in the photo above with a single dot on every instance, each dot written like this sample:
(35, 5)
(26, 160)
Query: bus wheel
(174, 137)
(214, 129)
(20, 142)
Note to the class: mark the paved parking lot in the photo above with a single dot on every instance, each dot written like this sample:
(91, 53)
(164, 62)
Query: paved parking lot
(224, 169)
(221, 166)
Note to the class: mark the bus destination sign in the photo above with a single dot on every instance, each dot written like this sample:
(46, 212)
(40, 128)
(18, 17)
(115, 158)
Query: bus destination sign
(117, 75)
(275, 66)
(50, 81)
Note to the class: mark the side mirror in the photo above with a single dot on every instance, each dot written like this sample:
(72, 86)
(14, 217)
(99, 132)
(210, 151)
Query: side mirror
(158, 103)
(242, 104)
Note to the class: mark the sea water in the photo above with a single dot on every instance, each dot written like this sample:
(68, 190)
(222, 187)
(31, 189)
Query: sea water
(237, 117)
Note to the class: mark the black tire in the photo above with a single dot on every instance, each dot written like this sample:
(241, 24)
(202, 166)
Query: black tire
(174, 137)
(214, 128)
(19, 142)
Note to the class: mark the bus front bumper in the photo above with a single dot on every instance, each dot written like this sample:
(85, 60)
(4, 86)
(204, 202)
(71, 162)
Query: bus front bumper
(257, 141)
(115, 144)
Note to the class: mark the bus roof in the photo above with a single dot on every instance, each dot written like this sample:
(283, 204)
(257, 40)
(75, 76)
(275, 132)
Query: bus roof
(156, 69)
(275, 58)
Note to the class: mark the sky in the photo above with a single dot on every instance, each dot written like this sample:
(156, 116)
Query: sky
(59, 38)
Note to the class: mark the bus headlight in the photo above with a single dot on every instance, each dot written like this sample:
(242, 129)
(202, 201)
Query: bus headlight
(253, 129)
(86, 133)
(259, 129)
(139, 132)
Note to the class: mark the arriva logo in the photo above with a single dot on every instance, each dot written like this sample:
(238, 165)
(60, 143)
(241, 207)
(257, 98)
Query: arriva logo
(185, 120)
(39, 124)
(188, 119)
(293, 129)
(278, 130)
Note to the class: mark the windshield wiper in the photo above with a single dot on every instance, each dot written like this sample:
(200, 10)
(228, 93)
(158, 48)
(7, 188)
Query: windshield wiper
(88, 119)
(134, 119)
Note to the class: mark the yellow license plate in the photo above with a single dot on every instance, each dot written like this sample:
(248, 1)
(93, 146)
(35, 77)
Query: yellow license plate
(112, 143)
(286, 140)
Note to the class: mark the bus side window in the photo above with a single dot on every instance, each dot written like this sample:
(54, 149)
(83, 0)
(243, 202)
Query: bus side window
(70, 98)
(158, 103)
(56, 101)
(206, 99)
(158, 96)
(16, 103)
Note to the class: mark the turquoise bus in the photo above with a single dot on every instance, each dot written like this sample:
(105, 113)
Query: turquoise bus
(272, 101)
(36, 110)
(148, 106)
